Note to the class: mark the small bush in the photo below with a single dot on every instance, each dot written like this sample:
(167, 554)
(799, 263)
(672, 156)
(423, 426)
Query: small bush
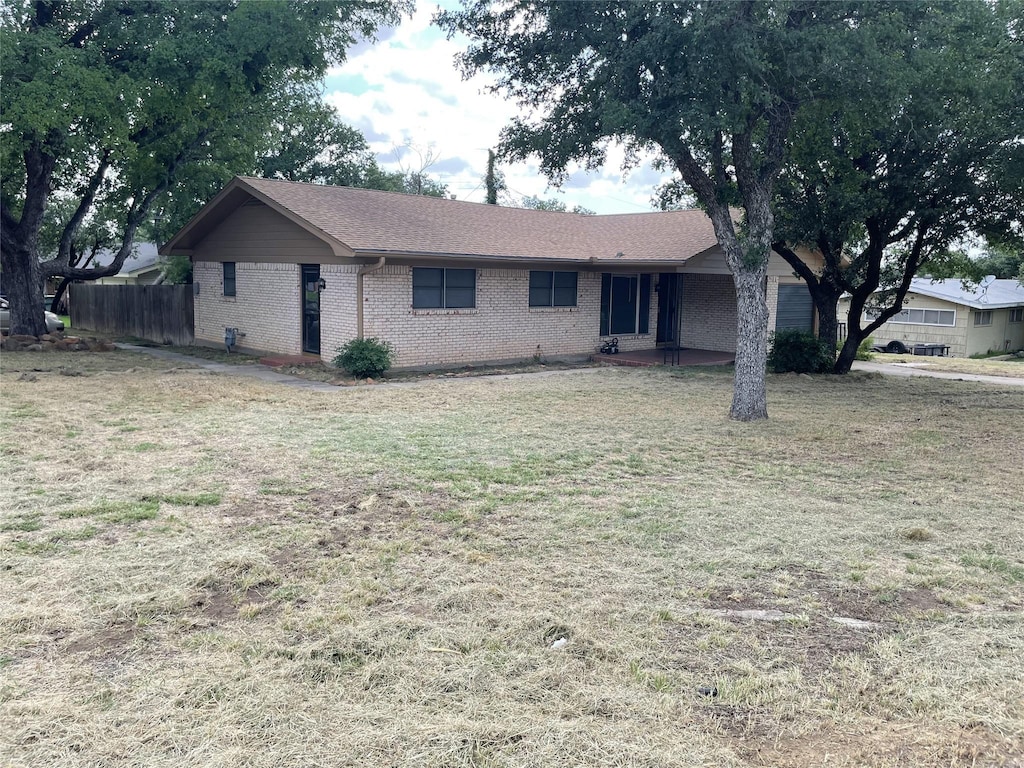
(796, 351)
(864, 349)
(364, 357)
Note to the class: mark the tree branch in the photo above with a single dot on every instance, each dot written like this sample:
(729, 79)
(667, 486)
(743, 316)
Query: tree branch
(798, 265)
(88, 197)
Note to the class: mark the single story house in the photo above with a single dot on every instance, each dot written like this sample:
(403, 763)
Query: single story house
(141, 267)
(303, 268)
(970, 319)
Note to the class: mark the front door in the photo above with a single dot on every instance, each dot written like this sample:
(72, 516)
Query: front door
(668, 307)
(311, 308)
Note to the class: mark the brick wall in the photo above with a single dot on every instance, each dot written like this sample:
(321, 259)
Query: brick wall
(709, 312)
(266, 307)
(337, 308)
(502, 326)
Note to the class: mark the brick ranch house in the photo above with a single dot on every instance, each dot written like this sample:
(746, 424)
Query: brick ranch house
(304, 268)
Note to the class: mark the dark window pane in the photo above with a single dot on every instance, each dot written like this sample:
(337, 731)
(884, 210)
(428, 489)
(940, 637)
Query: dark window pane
(460, 278)
(564, 289)
(624, 303)
(540, 289)
(459, 288)
(457, 298)
(540, 279)
(540, 297)
(229, 278)
(427, 288)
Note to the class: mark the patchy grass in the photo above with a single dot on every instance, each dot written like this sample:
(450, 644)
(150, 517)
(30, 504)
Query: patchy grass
(331, 375)
(213, 354)
(70, 364)
(376, 576)
(1011, 368)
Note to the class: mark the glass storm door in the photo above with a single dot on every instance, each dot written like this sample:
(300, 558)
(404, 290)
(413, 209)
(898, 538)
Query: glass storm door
(311, 308)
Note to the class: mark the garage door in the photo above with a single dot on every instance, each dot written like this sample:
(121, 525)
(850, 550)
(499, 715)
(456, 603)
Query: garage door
(795, 308)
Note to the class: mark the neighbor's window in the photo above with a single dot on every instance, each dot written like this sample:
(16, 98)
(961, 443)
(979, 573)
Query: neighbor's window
(552, 289)
(918, 316)
(625, 304)
(443, 288)
(229, 278)
(1017, 315)
(983, 318)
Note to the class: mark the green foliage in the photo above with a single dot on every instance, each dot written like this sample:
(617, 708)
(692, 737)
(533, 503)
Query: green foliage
(365, 357)
(864, 349)
(711, 87)
(1004, 262)
(917, 149)
(795, 351)
(176, 269)
(550, 204)
(121, 109)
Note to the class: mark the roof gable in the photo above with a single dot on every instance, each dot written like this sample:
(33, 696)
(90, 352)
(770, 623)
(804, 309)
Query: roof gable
(370, 222)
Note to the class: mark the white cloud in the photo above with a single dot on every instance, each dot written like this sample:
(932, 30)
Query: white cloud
(406, 88)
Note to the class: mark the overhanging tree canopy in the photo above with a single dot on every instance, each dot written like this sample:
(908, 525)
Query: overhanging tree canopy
(713, 87)
(922, 149)
(111, 102)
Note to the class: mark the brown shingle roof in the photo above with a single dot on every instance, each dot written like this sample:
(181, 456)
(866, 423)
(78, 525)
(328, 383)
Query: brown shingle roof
(370, 221)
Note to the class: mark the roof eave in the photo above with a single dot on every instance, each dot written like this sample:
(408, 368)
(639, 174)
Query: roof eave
(376, 253)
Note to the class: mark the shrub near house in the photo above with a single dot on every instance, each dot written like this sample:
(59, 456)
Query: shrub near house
(364, 358)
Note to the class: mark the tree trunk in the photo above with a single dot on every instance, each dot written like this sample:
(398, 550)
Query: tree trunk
(59, 302)
(749, 399)
(23, 283)
(828, 319)
(848, 353)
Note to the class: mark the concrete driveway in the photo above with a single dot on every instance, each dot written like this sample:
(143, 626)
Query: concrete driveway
(892, 369)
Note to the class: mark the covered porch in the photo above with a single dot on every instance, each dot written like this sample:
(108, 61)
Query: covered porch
(643, 358)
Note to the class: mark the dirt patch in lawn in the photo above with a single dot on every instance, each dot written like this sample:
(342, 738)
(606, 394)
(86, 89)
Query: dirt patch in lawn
(109, 641)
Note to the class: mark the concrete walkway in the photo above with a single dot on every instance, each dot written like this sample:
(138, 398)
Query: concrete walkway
(260, 372)
(263, 373)
(893, 369)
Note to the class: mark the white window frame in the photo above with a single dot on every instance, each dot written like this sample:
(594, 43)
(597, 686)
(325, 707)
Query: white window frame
(895, 321)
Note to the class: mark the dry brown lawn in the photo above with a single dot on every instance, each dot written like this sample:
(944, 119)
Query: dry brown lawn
(203, 570)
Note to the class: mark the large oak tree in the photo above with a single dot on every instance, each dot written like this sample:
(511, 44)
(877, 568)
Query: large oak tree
(925, 148)
(108, 104)
(712, 87)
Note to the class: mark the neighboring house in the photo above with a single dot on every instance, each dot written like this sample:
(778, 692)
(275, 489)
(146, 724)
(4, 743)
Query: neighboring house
(141, 267)
(969, 319)
(305, 268)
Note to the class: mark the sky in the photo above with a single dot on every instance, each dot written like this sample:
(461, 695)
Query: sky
(405, 87)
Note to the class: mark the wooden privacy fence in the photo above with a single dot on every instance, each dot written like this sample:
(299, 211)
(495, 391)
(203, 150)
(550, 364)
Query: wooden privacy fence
(160, 313)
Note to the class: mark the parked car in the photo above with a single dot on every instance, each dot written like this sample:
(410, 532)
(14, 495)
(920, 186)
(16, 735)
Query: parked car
(53, 323)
